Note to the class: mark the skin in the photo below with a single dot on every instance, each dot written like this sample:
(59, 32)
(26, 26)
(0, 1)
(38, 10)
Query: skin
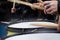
(53, 7)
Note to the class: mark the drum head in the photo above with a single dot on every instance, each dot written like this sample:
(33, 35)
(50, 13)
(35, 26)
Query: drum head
(27, 25)
(37, 36)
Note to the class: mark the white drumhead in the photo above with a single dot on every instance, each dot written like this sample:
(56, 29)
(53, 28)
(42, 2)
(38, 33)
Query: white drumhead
(27, 24)
(38, 36)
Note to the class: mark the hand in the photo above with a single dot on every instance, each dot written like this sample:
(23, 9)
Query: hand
(13, 10)
(50, 7)
(37, 4)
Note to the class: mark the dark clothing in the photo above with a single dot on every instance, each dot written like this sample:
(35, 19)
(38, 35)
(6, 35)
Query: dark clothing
(5, 8)
(22, 12)
(3, 0)
(25, 12)
(58, 7)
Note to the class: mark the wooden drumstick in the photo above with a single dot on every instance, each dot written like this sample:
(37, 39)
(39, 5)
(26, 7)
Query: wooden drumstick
(40, 1)
(48, 25)
(28, 4)
(13, 10)
(14, 4)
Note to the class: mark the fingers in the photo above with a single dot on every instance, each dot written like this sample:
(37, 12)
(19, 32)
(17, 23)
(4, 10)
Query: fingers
(45, 11)
(51, 10)
(46, 3)
(50, 6)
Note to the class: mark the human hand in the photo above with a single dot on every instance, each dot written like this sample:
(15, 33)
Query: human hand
(13, 10)
(50, 7)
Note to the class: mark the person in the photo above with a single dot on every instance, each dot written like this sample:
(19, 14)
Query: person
(33, 13)
(49, 17)
(2, 27)
(47, 8)
(4, 16)
(54, 7)
(51, 7)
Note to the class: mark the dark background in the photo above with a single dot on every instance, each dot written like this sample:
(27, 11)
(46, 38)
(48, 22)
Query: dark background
(22, 12)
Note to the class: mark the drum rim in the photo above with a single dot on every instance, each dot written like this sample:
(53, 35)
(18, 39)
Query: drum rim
(24, 34)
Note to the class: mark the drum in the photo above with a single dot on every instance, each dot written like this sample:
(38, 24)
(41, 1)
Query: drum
(26, 27)
(36, 36)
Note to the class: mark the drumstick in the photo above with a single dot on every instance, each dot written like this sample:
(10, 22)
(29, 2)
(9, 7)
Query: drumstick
(49, 25)
(14, 4)
(13, 10)
(40, 1)
(28, 4)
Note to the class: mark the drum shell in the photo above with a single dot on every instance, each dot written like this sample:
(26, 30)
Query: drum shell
(36, 36)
